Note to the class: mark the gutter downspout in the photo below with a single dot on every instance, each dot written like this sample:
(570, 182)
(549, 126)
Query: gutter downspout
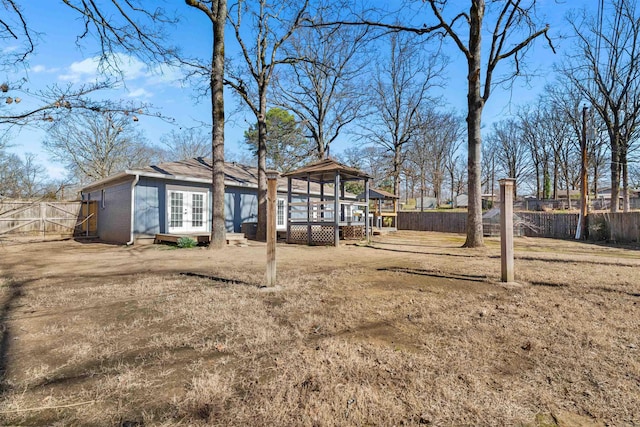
(133, 203)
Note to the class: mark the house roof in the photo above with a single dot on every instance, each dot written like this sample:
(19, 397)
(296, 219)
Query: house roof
(325, 171)
(377, 193)
(199, 170)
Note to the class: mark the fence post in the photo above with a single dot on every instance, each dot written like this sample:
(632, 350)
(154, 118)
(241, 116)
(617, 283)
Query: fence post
(272, 199)
(506, 229)
(43, 219)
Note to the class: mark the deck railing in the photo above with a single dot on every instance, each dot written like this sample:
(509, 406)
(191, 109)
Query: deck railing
(322, 212)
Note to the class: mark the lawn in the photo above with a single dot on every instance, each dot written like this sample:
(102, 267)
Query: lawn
(410, 330)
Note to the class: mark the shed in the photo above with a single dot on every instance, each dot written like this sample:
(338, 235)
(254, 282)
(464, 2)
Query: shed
(491, 223)
(327, 217)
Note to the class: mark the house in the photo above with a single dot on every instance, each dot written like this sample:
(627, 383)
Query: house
(175, 198)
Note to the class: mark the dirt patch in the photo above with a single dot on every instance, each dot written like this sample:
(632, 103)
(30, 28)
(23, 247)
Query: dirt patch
(411, 330)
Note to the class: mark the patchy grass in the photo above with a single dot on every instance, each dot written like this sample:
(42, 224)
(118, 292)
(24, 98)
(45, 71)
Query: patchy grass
(411, 330)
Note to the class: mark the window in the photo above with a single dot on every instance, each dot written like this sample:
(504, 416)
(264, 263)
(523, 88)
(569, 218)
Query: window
(197, 210)
(176, 209)
(280, 214)
(103, 193)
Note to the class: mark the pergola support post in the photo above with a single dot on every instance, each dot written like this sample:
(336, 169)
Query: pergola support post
(309, 239)
(289, 199)
(366, 209)
(336, 211)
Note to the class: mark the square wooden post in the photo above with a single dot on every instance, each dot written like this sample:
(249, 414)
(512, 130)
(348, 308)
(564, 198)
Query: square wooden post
(289, 200)
(367, 230)
(309, 240)
(272, 200)
(336, 211)
(506, 229)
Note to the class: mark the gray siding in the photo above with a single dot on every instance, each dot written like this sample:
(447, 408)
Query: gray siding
(241, 205)
(114, 212)
(150, 214)
(150, 218)
(151, 204)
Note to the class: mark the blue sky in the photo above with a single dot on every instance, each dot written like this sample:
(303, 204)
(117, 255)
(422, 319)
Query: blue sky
(59, 60)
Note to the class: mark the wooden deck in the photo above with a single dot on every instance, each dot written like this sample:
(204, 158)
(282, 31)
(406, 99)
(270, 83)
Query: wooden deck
(232, 238)
(383, 231)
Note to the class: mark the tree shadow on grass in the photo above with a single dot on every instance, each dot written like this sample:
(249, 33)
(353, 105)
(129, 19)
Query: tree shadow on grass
(220, 279)
(13, 293)
(438, 274)
(473, 255)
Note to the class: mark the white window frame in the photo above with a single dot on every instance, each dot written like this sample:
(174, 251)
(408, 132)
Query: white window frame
(281, 214)
(188, 211)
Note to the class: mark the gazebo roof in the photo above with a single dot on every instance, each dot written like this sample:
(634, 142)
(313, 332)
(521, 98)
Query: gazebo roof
(377, 194)
(326, 170)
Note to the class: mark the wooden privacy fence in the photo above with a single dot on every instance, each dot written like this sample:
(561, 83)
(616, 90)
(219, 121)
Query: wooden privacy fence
(621, 227)
(66, 219)
(536, 224)
(553, 225)
(444, 222)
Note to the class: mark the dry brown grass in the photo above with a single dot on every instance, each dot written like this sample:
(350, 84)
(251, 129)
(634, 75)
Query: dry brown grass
(413, 330)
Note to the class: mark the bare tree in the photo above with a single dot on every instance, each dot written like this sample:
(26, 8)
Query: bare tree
(185, 144)
(260, 30)
(400, 88)
(20, 105)
(512, 157)
(322, 89)
(371, 159)
(135, 26)
(93, 145)
(457, 174)
(533, 129)
(512, 31)
(434, 147)
(512, 28)
(444, 139)
(605, 68)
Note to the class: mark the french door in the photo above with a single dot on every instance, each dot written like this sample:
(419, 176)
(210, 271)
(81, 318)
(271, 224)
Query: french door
(187, 211)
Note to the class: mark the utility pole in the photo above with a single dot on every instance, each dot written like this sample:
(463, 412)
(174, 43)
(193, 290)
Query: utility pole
(581, 232)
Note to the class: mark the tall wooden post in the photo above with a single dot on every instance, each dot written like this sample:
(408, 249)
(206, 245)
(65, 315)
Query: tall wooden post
(272, 201)
(506, 228)
(367, 230)
(336, 210)
(581, 232)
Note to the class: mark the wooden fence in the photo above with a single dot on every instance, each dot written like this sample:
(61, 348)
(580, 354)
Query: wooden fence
(535, 224)
(614, 227)
(60, 219)
(445, 222)
(617, 227)
(545, 224)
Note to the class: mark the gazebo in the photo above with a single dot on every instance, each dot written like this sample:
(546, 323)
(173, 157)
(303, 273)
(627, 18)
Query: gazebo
(385, 212)
(324, 215)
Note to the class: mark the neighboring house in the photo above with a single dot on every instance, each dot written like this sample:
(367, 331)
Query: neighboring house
(175, 198)
(602, 200)
(461, 201)
(426, 203)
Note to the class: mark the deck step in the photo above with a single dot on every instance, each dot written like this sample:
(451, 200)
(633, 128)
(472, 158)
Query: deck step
(236, 239)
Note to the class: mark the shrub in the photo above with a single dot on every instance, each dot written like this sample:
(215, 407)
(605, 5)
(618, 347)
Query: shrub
(186, 242)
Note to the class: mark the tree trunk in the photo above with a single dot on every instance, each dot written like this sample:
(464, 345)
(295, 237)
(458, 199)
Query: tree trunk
(218, 230)
(626, 204)
(261, 230)
(615, 174)
(396, 171)
(475, 104)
